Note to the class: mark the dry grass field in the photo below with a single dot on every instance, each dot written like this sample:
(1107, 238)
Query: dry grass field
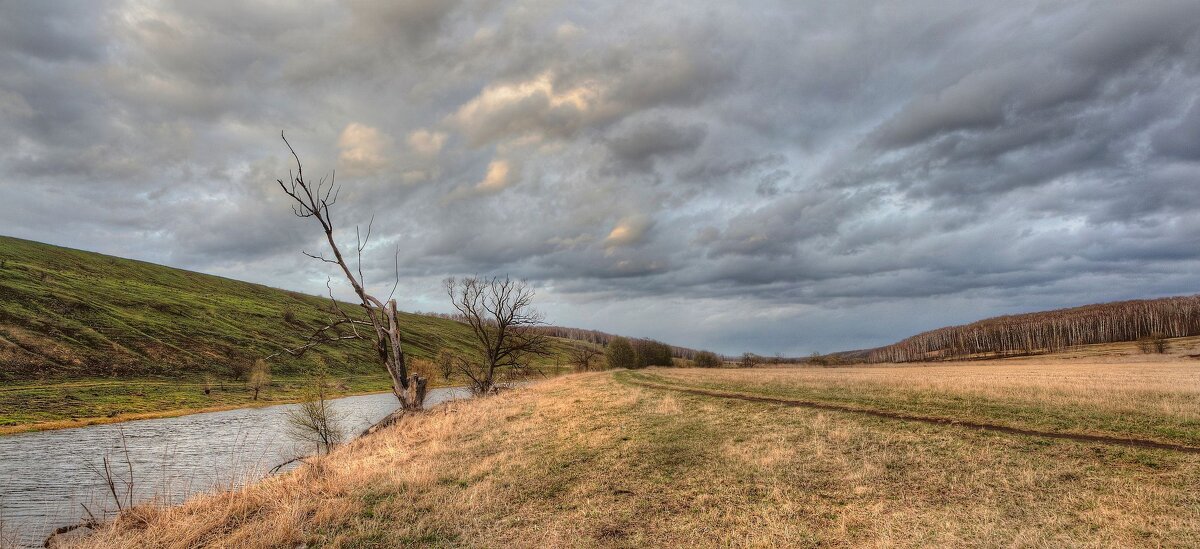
(602, 460)
(1157, 401)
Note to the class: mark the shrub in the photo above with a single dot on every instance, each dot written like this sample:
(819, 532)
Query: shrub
(446, 360)
(1153, 343)
(817, 359)
(424, 368)
(707, 359)
(238, 368)
(651, 353)
(620, 354)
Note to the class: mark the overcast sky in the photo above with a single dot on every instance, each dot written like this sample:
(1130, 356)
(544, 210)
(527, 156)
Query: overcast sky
(770, 176)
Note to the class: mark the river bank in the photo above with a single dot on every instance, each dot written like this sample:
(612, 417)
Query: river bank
(76, 403)
(603, 460)
(48, 477)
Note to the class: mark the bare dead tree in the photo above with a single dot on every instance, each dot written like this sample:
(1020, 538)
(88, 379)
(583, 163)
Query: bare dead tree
(583, 356)
(313, 200)
(501, 315)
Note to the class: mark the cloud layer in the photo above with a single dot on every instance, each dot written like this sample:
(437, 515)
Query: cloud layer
(776, 176)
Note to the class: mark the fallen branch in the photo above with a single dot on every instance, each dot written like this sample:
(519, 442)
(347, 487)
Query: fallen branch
(276, 468)
(90, 524)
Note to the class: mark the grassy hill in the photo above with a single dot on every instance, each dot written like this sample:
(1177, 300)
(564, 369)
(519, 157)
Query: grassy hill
(70, 313)
(73, 323)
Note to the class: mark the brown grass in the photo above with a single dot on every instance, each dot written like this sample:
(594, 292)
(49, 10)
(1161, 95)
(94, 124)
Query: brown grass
(1169, 389)
(587, 460)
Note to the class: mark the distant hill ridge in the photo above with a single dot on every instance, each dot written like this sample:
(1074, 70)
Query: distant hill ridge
(1048, 331)
(595, 337)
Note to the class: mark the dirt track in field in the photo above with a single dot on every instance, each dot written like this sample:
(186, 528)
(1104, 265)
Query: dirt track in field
(1099, 439)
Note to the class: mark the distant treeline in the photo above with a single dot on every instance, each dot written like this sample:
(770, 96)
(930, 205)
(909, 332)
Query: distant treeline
(591, 336)
(1051, 331)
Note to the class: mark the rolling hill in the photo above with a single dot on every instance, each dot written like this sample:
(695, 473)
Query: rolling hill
(1046, 331)
(68, 313)
(87, 338)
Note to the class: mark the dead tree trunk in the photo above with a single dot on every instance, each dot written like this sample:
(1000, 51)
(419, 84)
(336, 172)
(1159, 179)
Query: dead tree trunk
(313, 200)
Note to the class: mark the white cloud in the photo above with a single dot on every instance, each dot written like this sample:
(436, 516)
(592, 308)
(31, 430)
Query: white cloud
(426, 142)
(363, 150)
(533, 108)
(627, 232)
(499, 176)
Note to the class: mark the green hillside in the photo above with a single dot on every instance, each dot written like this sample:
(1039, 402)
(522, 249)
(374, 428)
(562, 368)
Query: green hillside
(70, 313)
(70, 318)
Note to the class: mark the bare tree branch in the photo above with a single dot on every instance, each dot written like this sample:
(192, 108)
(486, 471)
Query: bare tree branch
(500, 314)
(314, 201)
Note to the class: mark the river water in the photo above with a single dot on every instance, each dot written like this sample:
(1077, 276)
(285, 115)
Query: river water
(47, 477)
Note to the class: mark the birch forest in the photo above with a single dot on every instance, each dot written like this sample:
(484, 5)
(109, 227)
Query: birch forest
(1051, 331)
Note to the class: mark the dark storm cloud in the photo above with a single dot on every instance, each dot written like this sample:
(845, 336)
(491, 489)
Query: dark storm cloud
(788, 177)
(635, 148)
(1182, 139)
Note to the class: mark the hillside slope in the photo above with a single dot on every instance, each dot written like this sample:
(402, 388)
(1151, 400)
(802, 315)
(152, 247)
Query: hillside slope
(1049, 331)
(69, 314)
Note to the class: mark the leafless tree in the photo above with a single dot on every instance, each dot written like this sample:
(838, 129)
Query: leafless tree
(313, 200)
(582, 356)
(260, 377)
(446, 360)
(501, 315)
(238, 369)
(314, 420)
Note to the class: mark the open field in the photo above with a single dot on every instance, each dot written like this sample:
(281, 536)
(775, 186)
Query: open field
(1152, 400)
(602, 460)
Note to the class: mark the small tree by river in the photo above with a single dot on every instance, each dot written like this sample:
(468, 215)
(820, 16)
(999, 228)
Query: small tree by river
(314, 420)
(260, 377)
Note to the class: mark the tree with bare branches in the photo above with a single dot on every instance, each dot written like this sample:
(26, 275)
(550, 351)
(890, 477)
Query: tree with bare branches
(314, 420)
(313, 200)
(583, 356)
(500, 313)
(260, 377)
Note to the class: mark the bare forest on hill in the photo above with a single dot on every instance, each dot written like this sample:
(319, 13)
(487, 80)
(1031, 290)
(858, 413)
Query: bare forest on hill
(1050, 331)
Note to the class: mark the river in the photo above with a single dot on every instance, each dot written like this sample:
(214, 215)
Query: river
(47, 477)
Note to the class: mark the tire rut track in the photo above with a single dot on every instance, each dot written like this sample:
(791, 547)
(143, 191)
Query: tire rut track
(1077, 437)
